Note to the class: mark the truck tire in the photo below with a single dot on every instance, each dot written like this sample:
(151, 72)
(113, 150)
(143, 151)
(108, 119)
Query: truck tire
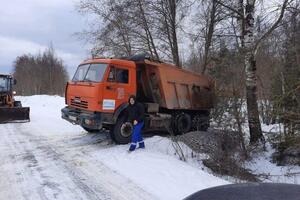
(121, 132)
(183, 123)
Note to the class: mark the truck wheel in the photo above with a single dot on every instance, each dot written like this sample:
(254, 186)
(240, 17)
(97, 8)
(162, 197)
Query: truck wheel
(121, 132)
(90, 130)
(183, 123)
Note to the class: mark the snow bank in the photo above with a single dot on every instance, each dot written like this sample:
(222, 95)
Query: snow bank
(262, 164)
(157, 171)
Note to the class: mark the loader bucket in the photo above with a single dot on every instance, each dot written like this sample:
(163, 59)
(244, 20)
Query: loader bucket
(17, 114)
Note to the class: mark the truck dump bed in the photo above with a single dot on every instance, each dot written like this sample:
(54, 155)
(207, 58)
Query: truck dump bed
(174, 88)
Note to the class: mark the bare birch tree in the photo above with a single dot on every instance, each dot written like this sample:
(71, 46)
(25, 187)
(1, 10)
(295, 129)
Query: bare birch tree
(245, 12)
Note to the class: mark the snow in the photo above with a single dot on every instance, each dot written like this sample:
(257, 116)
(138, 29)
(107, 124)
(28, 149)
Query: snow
(157, 172)
(262, 163)
(271, 172)
(50, 158)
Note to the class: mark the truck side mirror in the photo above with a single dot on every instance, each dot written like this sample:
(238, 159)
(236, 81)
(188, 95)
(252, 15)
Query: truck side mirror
(15, 82)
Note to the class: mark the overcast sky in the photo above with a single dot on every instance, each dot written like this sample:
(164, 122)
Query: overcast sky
(29, 26)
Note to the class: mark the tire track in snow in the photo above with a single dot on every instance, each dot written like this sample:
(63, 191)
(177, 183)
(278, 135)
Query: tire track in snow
(37, 152)
(36, 181)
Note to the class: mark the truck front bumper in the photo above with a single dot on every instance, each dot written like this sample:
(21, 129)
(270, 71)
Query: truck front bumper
(90, 120)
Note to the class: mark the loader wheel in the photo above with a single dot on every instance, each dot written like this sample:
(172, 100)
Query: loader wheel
(121, 132)
(183, 123)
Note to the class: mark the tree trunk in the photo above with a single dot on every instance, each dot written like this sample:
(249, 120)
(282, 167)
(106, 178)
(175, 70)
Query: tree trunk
(168, 10)
(251, 79)
(150, 41)
(209, 35)
(172, 13)
(236, 112)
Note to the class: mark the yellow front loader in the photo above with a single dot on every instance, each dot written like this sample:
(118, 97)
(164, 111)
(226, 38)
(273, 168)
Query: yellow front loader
(11, 110)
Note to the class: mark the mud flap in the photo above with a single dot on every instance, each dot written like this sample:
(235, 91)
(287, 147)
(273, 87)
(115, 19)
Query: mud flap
(17, 114)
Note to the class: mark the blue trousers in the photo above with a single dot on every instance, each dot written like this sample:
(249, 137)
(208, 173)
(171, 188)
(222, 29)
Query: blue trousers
(136, 137)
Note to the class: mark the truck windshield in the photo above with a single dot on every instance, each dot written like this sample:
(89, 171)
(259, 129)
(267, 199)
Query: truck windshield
(90, 72)
(4, 84)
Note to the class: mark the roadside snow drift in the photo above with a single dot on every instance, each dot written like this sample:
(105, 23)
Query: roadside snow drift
(50, 158)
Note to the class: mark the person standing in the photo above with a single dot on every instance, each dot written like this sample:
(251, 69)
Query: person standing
(135, 114)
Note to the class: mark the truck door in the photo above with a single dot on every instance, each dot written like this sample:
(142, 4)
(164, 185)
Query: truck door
(118, 87)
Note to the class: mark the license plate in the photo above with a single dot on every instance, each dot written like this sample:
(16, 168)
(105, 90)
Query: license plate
(73, 118)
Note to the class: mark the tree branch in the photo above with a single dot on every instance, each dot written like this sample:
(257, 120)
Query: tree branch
(230, 8)
(273, 27)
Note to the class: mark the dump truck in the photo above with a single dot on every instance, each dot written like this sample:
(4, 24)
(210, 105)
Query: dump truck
(10, 109)
(175, 99)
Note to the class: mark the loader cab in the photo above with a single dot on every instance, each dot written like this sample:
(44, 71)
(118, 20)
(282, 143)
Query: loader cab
(6, 83)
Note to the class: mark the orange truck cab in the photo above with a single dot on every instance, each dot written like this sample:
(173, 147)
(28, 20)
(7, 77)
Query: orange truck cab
(175, 99)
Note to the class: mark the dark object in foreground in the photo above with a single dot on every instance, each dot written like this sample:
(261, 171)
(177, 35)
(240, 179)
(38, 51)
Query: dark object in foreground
(249, 191)
(10, 110)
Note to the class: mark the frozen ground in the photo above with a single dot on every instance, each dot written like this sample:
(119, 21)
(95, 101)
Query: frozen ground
(262, 163)
(49, 158)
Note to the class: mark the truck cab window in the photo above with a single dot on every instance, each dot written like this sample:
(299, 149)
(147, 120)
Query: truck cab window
(118, 75)
(90, 72)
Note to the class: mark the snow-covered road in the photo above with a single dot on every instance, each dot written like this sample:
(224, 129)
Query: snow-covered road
(35, 167)
(49, 158)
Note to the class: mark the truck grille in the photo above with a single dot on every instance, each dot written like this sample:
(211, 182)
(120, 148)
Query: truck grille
(79, 103)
